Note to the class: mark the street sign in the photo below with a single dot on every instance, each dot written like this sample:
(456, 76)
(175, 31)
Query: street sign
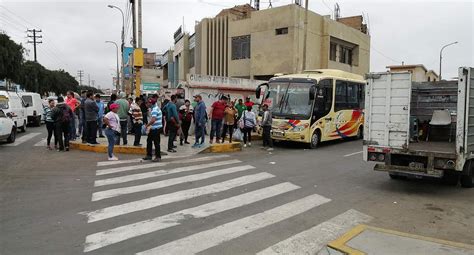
(148, 86)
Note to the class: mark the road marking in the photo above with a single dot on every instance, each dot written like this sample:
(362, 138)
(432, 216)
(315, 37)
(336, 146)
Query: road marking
(136, 160)
(111, 236)
(151, 165)
(166, 183)
(314, 239)
(352, 154)
(206, 239)
(141, 176)
(41, 143)
(22, 139)
(151, 202)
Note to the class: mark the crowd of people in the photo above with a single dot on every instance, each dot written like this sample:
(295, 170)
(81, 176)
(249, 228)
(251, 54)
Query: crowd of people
(88, 117)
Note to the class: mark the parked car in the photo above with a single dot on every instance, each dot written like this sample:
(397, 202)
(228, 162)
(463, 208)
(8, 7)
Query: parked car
(7, 128)
(35, 108)
(14, 106)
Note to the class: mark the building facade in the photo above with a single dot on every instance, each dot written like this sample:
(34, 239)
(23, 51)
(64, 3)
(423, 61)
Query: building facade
(245, 43)
(419, 73)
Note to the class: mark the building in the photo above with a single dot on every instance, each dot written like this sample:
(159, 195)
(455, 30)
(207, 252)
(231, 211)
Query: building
(245, 43)
(419, 73)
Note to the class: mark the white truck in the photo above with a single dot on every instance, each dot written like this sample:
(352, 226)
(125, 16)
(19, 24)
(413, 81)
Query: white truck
(421, 129)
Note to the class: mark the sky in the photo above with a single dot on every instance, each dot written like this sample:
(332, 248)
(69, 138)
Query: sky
(74, 32)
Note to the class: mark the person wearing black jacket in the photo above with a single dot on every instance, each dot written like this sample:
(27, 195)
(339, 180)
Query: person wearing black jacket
(90, 113)
(62, 115)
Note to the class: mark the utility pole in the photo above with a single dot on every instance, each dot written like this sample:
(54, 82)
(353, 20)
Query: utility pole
(139, 23)
(80, 73)
(35, 36)
(89, 80)
(305, 36)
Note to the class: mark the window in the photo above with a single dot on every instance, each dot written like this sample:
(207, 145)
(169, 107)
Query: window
(281, 31)
(241, 47)
(332, 52)
(346, 56)
(341, 96)
(323, 99)
(361, 96)
(352, 95)
(191, 58)
(429, 78)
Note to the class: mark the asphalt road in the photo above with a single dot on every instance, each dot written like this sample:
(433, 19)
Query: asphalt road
(240, 203)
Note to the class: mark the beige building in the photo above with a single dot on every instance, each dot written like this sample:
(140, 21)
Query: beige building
(242, 42)
(419, 73)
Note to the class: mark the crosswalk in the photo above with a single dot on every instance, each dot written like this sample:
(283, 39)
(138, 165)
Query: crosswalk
(128, 187)
(22, 139)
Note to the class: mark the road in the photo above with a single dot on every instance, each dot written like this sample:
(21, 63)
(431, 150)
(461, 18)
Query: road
(240, 203)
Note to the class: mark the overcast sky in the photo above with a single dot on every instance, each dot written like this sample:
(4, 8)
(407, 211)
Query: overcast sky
(74, 32)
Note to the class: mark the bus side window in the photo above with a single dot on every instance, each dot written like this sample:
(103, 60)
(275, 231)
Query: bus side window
(323, 99)
(341, 96)
(361, 96)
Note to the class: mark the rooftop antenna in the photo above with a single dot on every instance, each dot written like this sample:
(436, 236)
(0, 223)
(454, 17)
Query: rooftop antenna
(337, 11)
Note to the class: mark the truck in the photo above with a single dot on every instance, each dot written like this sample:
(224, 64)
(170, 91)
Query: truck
(421, 129)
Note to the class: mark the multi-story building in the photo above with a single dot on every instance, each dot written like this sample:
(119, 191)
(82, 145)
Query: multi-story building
(419, 73)
(246, 43)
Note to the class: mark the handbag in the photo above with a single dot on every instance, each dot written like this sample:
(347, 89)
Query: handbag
(237, 135)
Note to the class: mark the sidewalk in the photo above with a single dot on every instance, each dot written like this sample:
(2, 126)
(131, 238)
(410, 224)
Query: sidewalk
(365, 239)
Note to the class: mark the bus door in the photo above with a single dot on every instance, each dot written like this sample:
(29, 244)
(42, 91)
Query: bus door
(322, 107)
(347, 112)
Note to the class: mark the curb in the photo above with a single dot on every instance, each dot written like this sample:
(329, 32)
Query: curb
(103, 148)
(223, 148)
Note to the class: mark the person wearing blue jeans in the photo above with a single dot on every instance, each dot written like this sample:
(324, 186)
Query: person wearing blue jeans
(111, 120)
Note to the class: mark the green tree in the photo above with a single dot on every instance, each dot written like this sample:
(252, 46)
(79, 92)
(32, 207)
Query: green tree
(11, 58)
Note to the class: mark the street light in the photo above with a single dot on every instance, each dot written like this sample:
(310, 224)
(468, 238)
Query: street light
(118, 77)
(123, 37)
(441, 57)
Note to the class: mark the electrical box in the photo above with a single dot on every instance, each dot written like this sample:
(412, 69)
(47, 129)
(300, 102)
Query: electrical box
(138, 58)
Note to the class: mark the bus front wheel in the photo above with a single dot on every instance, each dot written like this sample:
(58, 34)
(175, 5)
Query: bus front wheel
(315, 140)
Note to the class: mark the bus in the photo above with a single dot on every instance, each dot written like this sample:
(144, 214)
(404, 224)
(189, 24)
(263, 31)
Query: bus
(315, 106)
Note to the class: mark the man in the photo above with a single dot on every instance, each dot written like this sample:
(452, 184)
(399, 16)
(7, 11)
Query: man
(72, 102)
(100, 114)
(267, 128)
(217, 115)
(240, 108)
(123, 115)
(82, 118)
(137, 120)
(248, 102)
(130, 118)
(153, 128)
(62, 115)
(91, 111)
(172, 120)
(200, 121)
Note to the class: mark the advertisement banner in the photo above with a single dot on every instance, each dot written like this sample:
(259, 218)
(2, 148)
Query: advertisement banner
(127, 61)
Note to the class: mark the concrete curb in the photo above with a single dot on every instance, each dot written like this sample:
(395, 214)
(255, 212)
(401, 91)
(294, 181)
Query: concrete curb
(101, 148)
(222, 148)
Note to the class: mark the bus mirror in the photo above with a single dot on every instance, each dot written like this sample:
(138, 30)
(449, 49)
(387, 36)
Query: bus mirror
(312, 92)
(258, 91)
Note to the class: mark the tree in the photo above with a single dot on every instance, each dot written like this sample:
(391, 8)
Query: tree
(95, 90)
(11, 58)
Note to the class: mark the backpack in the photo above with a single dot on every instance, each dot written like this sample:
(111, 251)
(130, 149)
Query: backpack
(66, 114)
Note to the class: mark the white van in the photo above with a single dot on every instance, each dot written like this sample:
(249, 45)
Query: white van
(35, 108)
(12, 105)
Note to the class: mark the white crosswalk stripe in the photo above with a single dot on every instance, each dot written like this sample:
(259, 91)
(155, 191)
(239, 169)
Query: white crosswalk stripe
(161, 184)
(152, 165)
(141, 176)
(309, 241)
(111, 236)
(314, 239)
(41, 143)
(151, 202)
(137, 160)
(209, 238)
(22, 139)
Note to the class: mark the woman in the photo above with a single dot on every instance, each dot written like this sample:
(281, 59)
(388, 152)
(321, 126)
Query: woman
(186, 117)
(247, 124)
(112, 121)
(48, 114)
(229, 120)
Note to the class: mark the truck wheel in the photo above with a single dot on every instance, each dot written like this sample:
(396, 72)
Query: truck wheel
(315, 139)
(451, 178)
(467, 177)
(12, 137)
(23, 129)
(38, 121)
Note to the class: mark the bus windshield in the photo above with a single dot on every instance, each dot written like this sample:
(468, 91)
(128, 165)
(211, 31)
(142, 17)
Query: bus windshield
(290, 100)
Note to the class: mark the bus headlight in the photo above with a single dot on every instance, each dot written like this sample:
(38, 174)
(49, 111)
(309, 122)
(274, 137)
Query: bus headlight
(298, 128)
